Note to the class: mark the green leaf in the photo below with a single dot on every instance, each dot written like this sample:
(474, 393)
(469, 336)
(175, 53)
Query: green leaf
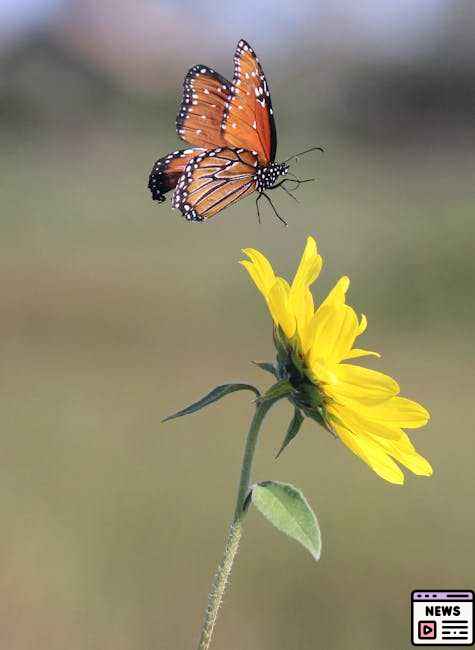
(282, 388)
(215, 395)
(288, 510)
(294, 428)
(265, 365)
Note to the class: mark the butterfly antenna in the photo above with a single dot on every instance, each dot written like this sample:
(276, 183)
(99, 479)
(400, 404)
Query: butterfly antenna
(302, 153)
(273, 207)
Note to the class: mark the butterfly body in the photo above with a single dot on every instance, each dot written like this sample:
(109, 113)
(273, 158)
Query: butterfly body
(231, 131)
(267, 176)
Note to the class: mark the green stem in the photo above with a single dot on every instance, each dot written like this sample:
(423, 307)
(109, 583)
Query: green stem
(235, 530)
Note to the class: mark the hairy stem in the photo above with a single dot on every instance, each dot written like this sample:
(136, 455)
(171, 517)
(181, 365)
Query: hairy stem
(235, 530)
(219, 584)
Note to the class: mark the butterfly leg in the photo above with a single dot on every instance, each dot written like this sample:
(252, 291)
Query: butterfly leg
(273, 207)
(282, 185)
(299, 181)
(257, 208)
(290, 193)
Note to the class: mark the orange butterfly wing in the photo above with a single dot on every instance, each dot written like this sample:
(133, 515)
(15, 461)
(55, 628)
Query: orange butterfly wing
(167, 171)
(213, 181)
(248, 119)
(205, 97)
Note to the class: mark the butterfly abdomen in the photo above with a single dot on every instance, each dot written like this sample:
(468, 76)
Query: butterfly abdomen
(266, 177)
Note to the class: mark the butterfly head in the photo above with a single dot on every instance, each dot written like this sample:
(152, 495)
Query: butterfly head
(267, 176)
(283, 168)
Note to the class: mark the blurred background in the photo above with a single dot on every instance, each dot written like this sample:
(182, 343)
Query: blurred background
(116, 312)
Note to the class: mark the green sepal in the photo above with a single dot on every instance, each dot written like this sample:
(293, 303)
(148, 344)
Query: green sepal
(297, 363)
(315, 414)
(280, 389)
(292, 431)
(329, 419)
(289, 362)
(266, 366)
(320, 415)
(288, 510)
(332, 418)
(213, 396)
(281, 346)
(309, 396)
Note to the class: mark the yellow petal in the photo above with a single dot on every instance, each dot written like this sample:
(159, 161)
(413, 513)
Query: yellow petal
(344, 333)
(401, 412)
(410, 459)
(301, 303)
(363, 384)
(279, 307)
(356, 421)
(301, 299)
(262, 266)
(309, 267)
(372, 454)
(358, 352)
(333, 331)
(308, 309)
(320, 373)
(255, 275)
(318, 325)
(285, 284)
(363, 325)
(337, 294)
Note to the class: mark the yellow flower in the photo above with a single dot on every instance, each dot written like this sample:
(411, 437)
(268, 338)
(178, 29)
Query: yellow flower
(361, 406)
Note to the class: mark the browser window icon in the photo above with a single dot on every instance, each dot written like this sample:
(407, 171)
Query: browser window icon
(442, 618)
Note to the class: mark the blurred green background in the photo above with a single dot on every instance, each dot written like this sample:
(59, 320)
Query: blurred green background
(116, 312)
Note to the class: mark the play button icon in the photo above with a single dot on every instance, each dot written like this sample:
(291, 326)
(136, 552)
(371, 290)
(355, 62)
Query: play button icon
(427, 629)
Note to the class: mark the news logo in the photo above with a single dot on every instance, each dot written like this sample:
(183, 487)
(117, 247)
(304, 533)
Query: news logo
(442, 618)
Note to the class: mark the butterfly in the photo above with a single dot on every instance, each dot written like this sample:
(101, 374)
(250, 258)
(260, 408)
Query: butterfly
(231, 130)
